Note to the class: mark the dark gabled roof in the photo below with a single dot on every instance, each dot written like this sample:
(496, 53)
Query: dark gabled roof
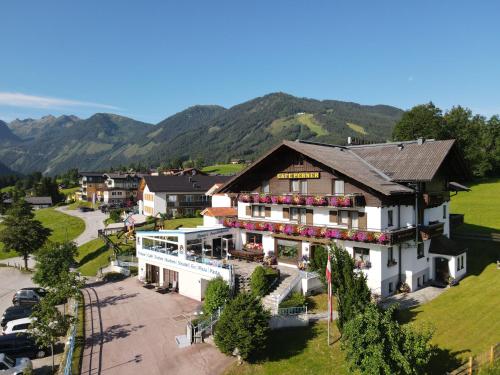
(91, 174)
(443, 245)
(38, 200)
(121, 175)
(406, 161)
(340, 159)
(180, 184)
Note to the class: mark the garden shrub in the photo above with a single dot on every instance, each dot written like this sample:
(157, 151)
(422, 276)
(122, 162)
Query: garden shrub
(113, 276)
(216, 295)
(296, 299)
(243, 325)
(262, 279)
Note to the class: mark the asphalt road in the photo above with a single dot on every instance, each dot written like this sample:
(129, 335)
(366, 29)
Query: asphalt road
(94, 220)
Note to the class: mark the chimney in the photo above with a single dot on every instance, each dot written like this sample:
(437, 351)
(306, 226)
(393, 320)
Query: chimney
(420, 140)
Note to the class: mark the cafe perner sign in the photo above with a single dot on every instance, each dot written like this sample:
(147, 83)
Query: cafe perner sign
(294, 175)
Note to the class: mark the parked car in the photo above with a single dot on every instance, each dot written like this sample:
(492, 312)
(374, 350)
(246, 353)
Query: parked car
(25, 297)
(21, 345)
(18, 326)
(40, 291)
(14, 366)
(13, 313)
(86, 209)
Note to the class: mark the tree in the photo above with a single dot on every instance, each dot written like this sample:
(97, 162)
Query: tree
(318, 262)
(48, 323)
(216, 295)
(243, 325)
(375, 343)
(53, 261)
(349, 287)
(258, 282)
(423, 120)
(22, 233)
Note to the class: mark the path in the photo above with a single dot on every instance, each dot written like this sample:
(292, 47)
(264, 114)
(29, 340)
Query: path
(419, 297)
(94, 220)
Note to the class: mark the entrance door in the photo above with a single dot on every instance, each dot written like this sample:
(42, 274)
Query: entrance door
(170, 278)
(152, 274)
(217, 247)
(442, 270)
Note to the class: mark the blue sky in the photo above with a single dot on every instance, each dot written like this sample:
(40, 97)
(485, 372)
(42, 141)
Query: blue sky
(150, 59)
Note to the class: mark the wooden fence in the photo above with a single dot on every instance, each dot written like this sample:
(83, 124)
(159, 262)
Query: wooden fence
(475, 363)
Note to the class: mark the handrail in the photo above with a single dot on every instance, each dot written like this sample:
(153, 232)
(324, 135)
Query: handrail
(280, 297)
(69, 356)
(297, 310)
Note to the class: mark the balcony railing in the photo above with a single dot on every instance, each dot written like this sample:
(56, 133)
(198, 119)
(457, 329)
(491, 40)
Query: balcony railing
(433, 199)
(298, 199)
(357, 235)
(432, 230)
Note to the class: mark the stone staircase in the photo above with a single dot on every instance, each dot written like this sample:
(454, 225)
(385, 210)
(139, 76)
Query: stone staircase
(288, 280)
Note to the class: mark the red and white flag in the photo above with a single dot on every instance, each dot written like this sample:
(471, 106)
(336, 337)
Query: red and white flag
(328, 276)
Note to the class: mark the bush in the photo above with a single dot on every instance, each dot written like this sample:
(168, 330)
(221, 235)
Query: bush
(295, 299)
(133, 270)
(243, 325)
(113, 276)
(318, 262)
(216, 295)
(262, 279)
(114, 215)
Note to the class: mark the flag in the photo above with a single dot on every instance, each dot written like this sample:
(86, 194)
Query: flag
(328, 277)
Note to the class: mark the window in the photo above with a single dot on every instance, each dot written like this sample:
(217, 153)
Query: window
(265, 186)
(354, 219)
(299, 186)
(254, 238)
(362, 258)
(418, 281)
(188, 198)
(344, 217)
(391, 288)
(298, 214)
(338, 187)
(420, 250)
(390, 222)
(444, 211)
(258, 211)
(172, 198)
(299, 160)
(390, 257)
(423, 279)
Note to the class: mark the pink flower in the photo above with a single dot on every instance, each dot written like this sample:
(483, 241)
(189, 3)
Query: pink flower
(384, 238)
(249, 226)
(334, 202)
(346, 202)
(255, 198)
(309, 201)
(288, 229)
(274, 199)
(362, 236)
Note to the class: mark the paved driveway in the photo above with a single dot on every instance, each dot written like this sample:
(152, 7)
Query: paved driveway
(139, 329)
(94, 220)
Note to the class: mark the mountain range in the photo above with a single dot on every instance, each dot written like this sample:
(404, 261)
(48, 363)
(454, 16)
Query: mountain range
(216, 134)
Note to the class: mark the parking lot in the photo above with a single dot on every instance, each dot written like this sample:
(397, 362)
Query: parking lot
(11, 280)
(139, 329)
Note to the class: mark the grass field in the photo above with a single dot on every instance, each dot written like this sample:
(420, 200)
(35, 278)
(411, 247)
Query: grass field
(357, 128)
(224, 168)
(77, 204)
(69, 191)
(64, 227)
(6, 189)
(306, 119)
(481, 206)
(92, 256)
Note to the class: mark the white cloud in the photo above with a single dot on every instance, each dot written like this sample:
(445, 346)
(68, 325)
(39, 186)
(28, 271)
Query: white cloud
(15, 99)
(410, 78)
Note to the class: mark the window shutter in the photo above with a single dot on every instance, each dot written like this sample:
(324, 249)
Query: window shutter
(268, 211)
(362, 220)
(333, 217)
(248, 210)
(286, 213)
(309, 217)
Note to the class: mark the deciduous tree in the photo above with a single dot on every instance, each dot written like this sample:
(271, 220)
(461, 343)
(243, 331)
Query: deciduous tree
(216, 295)
(53, 261)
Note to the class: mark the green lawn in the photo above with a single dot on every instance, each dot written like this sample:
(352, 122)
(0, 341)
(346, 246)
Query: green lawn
(189, 222)
(224, 168)
(6, 189)
(77, 204)
(69, 191)
(301, 351)
(481, 206)
(64, 227)
(92, 256)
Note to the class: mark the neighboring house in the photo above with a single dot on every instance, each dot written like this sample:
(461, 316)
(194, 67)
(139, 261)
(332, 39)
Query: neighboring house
(386, 204)
(176, 195)
(92, 185)
(39, 202)
(121, 187)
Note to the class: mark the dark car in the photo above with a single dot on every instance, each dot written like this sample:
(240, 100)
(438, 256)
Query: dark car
(86, 209)
(40, 291)
(20, 345)
(13, 313)
(25, 297)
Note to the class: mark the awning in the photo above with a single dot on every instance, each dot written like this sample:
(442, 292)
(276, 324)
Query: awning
(443, 245)
(455, 186)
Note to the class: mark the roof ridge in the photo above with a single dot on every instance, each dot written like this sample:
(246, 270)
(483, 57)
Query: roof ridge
(378, 171)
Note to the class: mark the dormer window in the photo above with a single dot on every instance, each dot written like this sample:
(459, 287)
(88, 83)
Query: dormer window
(265, 186)
(338, 187)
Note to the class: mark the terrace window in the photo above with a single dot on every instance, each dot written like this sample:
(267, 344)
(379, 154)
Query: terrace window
(258, 211)
(299, 186)
(288, 251)
(338, 187)
(390, 221)
(420, 250)
(298, 214)
(254, 241)
(362, 258)
(344, 217)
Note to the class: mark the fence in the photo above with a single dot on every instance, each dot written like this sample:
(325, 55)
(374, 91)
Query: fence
(477, 362)
(68, 363)
(204, 326)
(288, 311)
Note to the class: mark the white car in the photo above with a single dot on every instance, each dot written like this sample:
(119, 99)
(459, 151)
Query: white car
(14, 366)
(17, 326)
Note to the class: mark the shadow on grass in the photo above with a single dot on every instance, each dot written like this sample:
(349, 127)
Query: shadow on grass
(91, 256)
(444, 360)
(286, 343)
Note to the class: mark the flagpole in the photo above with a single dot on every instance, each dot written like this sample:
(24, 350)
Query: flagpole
(329, 313)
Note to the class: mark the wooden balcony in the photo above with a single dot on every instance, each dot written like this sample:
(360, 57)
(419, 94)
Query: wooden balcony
(430, 231)
(435, 199)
